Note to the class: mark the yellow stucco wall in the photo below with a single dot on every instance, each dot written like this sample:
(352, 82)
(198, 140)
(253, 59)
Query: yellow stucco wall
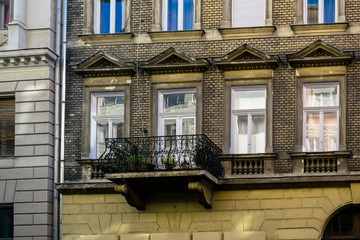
(299, 213)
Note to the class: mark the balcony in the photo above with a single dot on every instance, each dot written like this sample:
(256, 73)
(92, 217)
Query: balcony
(162, 163)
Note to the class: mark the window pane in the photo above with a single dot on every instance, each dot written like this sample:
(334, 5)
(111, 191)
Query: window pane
(172, 15)
(188, 14)
(248, 13)
(120, 16)
(110, 106)
(330, 131)
(170, 127)
(105, 16)
(312, 132)
(183, 102)
(241, 135)
(188, 126)
(329, 11)
(6, 223)
(250, 99)
(312, 11)
(117, 129)
(7, 126)
(321, 96)
(101, 134)
(258, 134)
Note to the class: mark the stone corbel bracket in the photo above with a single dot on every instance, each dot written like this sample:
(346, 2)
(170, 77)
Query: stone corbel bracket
(205, 194)
(131, 195)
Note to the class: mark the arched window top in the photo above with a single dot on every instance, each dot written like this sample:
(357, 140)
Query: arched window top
(344, 225)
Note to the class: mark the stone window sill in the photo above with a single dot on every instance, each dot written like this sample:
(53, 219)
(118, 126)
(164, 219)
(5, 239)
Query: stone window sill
(248, 165)
(6, 161)
(315, 29)
(124, 37)
(246, 32)
(184, 35)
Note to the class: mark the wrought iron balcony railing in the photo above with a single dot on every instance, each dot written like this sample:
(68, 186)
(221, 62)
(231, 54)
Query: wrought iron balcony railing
(181, 152)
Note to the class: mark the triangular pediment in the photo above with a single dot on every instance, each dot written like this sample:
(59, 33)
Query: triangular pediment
(246, 57)
(102, 63)
(319, 53)
(174, 60)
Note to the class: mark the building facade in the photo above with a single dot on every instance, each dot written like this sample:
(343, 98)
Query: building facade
(29, 93)
(221, 119)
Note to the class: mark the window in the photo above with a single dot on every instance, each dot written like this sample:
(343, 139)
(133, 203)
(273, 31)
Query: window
(344, 225)
(248, 13)
(7, 126)
(107, 120)
(248, 106)
(109, 16)
(6, 223)
(320, 11)
(320, 117)
(178, 15)
(177, 112)
(4, 13)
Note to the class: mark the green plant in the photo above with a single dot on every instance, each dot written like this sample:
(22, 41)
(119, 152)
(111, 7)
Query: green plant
(169, 160)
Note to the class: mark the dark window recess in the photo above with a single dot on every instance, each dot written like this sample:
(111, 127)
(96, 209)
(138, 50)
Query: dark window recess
(7, 126)
(344, 225)
(6, 223)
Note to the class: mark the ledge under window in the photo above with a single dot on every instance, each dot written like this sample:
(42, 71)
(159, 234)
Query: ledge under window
(248, 165)
(246, 32)
(323, 28)
(184, 35)
(124, 37)
(328, 163)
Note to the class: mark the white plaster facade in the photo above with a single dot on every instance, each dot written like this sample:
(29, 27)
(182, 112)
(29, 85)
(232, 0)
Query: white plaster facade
(29, 70)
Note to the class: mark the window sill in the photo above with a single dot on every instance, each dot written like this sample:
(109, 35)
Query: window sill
(246, 32)
(248, 165)
(324, 163)
(6, 161)
(323, 28)
(111, 38)
(184, 35)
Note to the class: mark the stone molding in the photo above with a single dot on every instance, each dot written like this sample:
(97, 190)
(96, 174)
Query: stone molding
(30, 57)
(111, 38)
(171, 36)
(247, 32)
(323, 28)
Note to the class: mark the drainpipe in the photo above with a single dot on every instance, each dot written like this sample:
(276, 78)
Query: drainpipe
(63, 92)
(56, 200)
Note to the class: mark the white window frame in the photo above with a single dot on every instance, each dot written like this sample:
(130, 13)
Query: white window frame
(234, 14)
(109, 118)
(320, 11)
(97, 15)
(321, 111)
(248, 112)
(180, 15)
(178, 116)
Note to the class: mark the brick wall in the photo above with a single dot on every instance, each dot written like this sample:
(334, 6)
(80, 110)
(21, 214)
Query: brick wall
(284, 80)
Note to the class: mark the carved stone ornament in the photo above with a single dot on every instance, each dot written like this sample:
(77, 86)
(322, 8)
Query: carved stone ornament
(319, 53)
(131, 195)
(205, 194)
(173, 60)
(3, 38)
(246, 57)
(102, 64)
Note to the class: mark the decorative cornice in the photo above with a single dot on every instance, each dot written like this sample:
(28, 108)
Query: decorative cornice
(101, 64)
(323, 28)
(112, 38)
(318, 54)
(246, 57)
(247, 32)
(28, 57)
(173, 60)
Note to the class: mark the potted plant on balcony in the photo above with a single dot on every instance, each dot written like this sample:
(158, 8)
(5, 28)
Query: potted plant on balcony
(169, 162)
(185, 165)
